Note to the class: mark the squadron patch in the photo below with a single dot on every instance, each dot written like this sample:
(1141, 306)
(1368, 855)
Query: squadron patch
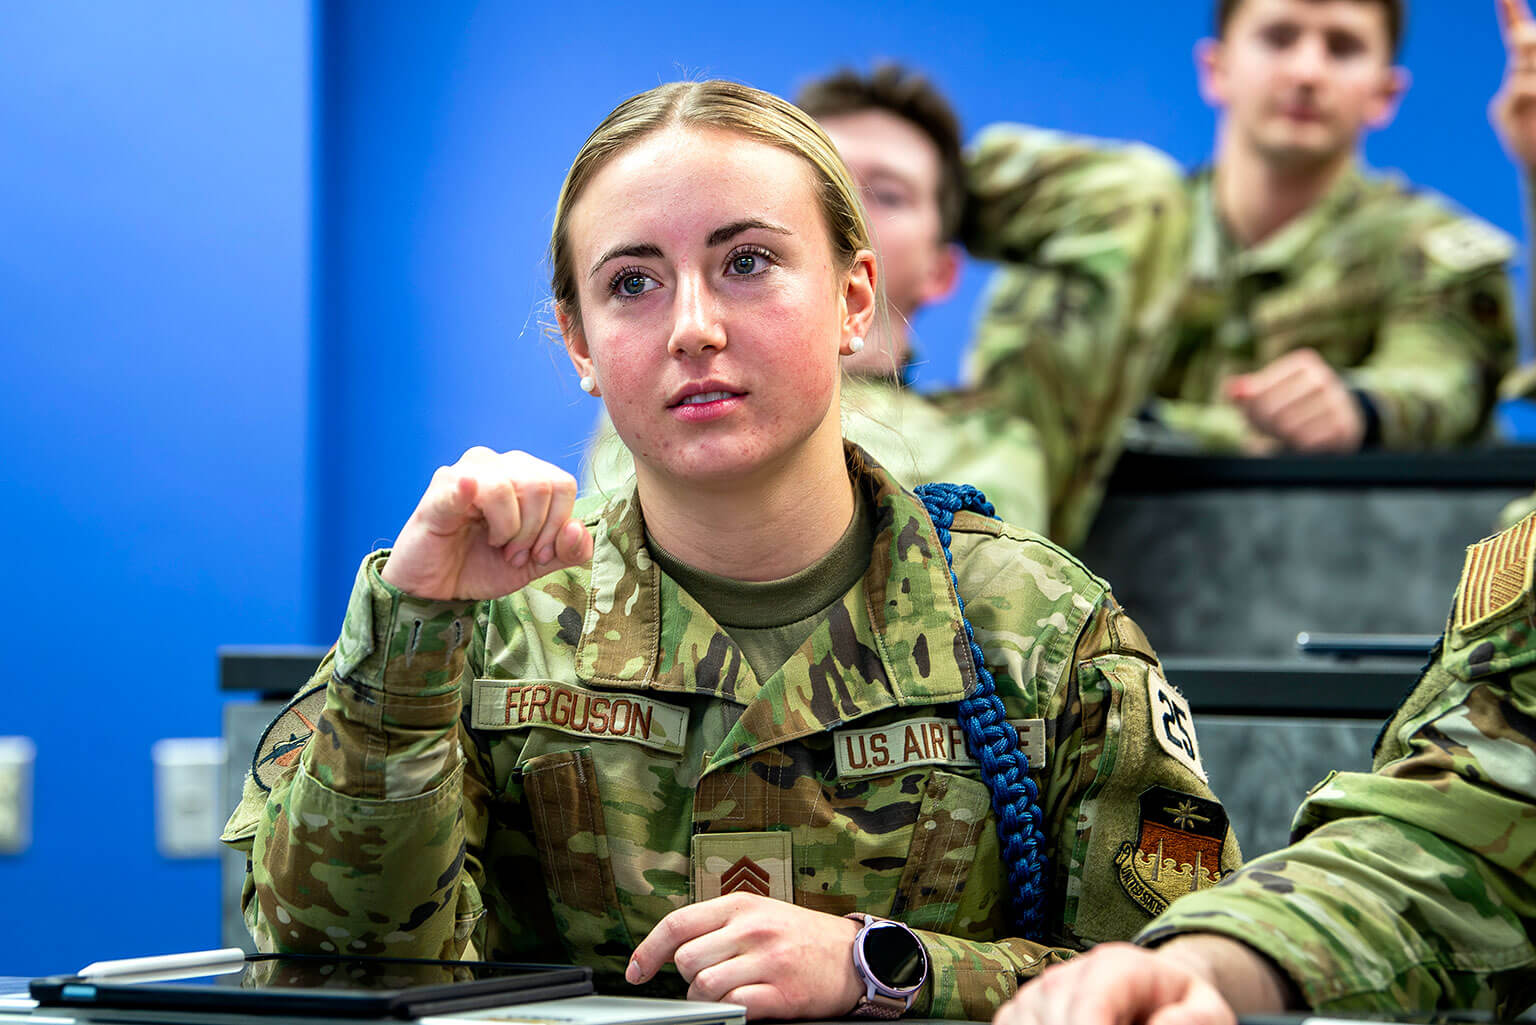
(1172, 723)
(1467, 244)
(929, 741)
(758, 863)
(1177, 849)
(285, 736)
(1497, 574)
(499, 705)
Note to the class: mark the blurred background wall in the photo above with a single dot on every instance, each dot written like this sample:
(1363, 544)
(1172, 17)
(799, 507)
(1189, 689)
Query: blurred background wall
(265, 264)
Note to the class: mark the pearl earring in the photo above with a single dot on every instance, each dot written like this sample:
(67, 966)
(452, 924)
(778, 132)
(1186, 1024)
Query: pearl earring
(588, 385)
(855, 344)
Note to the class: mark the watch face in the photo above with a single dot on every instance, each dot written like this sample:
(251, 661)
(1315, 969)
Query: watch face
(895, 957)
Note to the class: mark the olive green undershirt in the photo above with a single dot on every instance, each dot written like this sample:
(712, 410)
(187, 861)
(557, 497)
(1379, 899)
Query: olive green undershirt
(770, 619)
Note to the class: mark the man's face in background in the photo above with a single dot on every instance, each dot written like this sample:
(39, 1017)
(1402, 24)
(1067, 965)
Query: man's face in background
(1301, 81)
(897, 168)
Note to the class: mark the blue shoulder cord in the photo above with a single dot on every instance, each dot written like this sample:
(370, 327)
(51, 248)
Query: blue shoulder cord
(993, 740)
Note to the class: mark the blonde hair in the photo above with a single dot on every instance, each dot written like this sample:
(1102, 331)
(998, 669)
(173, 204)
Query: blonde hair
(726, 106)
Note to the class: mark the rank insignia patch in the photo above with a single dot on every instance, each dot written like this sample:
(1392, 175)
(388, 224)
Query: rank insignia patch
(743, 863)
(1177, 850)
(284, 739)
(1497, 574)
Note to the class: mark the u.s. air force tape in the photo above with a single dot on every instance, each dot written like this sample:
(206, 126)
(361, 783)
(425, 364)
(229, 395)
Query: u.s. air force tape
(520, 704)
(922, 742)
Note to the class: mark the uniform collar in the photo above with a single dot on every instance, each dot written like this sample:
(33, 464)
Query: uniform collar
(1214, 255)
(895, 639)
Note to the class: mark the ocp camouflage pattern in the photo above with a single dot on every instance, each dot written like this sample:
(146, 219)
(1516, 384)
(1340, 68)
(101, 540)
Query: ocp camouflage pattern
(1091, 238)
(1413, 887)
(405, 829)
(1409, 299)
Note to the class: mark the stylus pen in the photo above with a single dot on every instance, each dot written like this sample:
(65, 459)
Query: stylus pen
(163, 963)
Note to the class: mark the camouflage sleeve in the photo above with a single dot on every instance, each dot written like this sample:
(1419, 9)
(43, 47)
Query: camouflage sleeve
(1412, 888)
(364, 848)
(921, 438)
(1074, 327)
(1205, 427)
(1129, 788)
(1110, 792)
(1516, 511)
(1445, 340)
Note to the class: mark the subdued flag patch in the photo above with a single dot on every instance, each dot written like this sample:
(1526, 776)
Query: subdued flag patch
(1496, 575)
(743, 863)
(1177, 849)
(283, 741)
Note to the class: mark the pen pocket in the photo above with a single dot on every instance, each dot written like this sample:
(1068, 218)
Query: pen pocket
(572, 840)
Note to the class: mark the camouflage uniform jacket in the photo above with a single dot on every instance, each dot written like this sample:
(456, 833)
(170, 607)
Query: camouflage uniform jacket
(536, 776)
(1413, 887)
(1408, 298)
(917, 437)
(1092, 239)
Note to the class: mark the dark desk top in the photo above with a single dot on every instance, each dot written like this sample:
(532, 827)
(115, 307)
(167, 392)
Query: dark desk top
(1311, 687)
(1316, 686)
(270, 670)
(1494, 466)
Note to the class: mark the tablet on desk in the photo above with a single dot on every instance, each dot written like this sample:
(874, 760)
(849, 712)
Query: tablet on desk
(315, 985)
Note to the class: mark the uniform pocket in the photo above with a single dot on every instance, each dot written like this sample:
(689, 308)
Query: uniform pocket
(566, 815)
(951, 840)
(1339, 323)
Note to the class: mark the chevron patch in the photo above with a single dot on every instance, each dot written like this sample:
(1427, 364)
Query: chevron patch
(746, 876)
(757, 863)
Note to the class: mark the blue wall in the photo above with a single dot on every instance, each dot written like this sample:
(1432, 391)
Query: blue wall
(246, 310)
(154, 251)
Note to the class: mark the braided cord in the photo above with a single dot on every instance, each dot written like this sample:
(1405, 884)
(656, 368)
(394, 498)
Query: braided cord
(993, 740)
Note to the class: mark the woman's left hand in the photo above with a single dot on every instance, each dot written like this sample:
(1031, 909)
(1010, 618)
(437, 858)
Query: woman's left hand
(774, 958)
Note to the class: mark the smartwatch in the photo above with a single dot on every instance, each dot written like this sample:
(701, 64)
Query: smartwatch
(890, 961)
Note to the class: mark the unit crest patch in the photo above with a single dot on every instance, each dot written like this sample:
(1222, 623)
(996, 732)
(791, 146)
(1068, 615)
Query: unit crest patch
(1497, 574)
(285, 736)
(1177, 849)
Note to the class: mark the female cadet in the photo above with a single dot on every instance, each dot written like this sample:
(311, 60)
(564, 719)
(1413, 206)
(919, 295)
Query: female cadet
(736, 712)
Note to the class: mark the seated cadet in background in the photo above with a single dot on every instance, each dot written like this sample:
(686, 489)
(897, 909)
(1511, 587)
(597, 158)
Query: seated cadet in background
(1327, 310)
(1092, 238)
(1407, 889)
(901, 140)
(1102, 228)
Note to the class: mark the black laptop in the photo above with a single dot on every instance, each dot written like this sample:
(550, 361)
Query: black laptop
(319, 986)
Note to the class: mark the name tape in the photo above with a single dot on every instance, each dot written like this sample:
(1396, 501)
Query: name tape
(922, 742)
(500, 705)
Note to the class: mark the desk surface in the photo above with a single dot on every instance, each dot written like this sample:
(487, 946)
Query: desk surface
(605, 1010)
(1312, 687)
(1492, 466)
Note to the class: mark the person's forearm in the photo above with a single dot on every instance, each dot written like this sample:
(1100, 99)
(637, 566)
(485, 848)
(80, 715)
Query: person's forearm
(970, 978)
(1246, 979)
